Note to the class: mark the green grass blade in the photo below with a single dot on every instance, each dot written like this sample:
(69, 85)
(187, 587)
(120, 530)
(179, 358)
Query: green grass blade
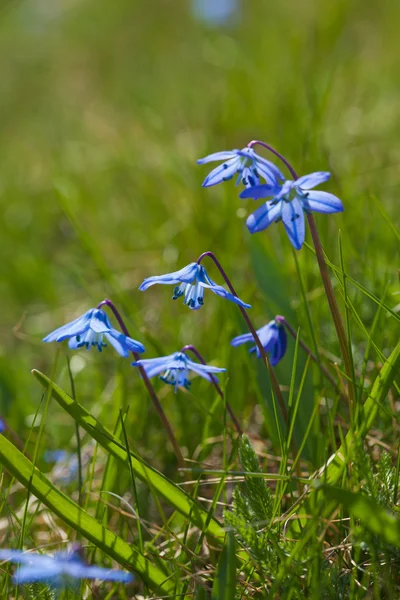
(224, 586)
(369, 411)
(68, 511)
(372, 516)
(176, 497)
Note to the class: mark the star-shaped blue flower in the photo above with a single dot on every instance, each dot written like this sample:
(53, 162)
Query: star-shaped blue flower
(90, 330)
(246, 163)
(272, 337)
(289, 203)
(59, 571)
(175, 369)
(193, 280)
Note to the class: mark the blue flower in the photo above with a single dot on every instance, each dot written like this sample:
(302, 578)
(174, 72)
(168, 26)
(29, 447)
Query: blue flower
(288, 204)
(2, 426)
(58, 571)
(90, 329)
(246, 162)
(175, 369)
(193, 280)
(272, 337)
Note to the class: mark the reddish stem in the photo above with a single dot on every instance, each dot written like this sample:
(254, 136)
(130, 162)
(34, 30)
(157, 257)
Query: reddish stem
(333, 305)
(194, 350)
(148, 385)
(271, 372)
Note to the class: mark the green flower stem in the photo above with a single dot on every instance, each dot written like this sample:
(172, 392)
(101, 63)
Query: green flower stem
(292, 331)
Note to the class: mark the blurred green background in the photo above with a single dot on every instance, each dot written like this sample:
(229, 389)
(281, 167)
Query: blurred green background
(104, 109)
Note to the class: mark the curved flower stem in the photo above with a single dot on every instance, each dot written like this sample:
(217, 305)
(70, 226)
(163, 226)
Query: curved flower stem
(148, 385)
(278, 154)
(333, 305)
(293, 333)
(193, 349)
(271, 372)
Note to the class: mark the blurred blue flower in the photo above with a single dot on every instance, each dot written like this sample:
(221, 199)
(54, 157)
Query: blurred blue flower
(272, 337)
(66, 467)
(289, 203)
(2, 426)
(176, 369)
(90, 329)
(193, 280)
(214, 12)
(246, 162)
(59, 571)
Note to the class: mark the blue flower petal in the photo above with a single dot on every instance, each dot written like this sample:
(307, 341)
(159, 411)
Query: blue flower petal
(185, 275)
(76, 327)
(225, 155)
(49, 571)
(117, 340)
(242, 339)
(279, 348)
(82, 571)
(268, 335)
(155, 366)
(200, 368)
(131, 344)
(268, 170)
(322, 202)
(223, 172)
(220, 291)
(267, 213)
(307, 182)
(99, 321)
(264, 190)
(293, 219)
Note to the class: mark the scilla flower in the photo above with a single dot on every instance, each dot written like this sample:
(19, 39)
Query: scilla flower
(190, 282)
(91, 329)
(288, 204)
(59, 571)
(272, 337)
(246, 163)
(175, 369)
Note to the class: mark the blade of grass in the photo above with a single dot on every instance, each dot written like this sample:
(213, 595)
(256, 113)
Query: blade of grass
(77, 518)
(175, 496)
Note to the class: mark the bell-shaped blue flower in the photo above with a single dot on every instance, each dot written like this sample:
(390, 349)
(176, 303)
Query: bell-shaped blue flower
(190, 282)
(272, 337)
(59, 571)
(246, 163)
(175, 369)
(289, 202)
(91, 329)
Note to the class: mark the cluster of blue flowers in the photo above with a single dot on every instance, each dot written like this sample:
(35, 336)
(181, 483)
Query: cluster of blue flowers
(287, 201)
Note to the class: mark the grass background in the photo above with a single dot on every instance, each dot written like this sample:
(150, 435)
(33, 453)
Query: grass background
(104, 109)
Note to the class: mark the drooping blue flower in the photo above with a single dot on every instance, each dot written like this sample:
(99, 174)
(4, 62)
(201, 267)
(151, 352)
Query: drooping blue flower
(289, 202)
(59, 571)
(272, 337)
(90, 330)
(175, 369)
(193, 280)
(246, 162)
